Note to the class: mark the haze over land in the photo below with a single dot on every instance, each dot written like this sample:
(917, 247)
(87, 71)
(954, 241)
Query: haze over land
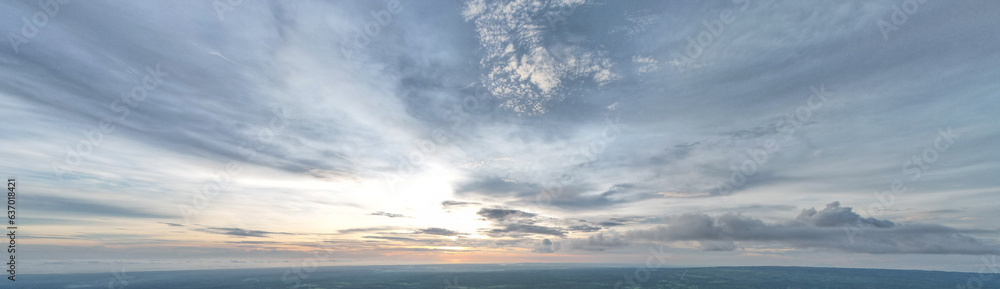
(149, 135)
(527, 276)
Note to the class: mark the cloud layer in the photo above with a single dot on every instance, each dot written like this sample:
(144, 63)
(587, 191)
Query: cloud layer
(509, 131)
(834, 227)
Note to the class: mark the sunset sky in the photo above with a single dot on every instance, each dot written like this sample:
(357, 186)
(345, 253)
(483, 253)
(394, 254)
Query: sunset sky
(150, 135)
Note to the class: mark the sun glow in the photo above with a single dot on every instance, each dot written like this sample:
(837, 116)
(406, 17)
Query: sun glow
(420, 197)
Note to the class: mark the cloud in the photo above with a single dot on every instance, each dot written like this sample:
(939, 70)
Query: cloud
(834, 215)
(333, 175)
(439, 232)
(494, 186)
(512, 222)
(238, 232)
(500, 214)
(625, 221)
(253, 242)
(598, 242)
(449, 203)
(84, 207)
(528, 229)
(403, 239)
(390, 238)
(833, 228)
(546, 74)
(717, 245)
(607, 224)
(525, 66)
(574, 195)
(367, 229)
(645, 64)
(584, 228)
(390, 215)
(546, 246)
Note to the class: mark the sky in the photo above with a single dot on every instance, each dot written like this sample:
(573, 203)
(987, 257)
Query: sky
(163, 135)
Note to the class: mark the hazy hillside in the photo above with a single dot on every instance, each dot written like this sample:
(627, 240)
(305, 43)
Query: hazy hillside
(527, 276)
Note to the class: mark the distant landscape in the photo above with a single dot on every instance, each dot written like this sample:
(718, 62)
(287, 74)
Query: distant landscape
(523, 276)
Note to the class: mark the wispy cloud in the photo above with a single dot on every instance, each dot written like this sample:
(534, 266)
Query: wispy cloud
(390, 215)
(239, 232)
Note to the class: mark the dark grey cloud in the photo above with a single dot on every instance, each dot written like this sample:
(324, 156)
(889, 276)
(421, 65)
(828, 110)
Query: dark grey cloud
(836, 228)
(583, 228)
(589, 197)
(172, 224)
(494, 186)
(501, 214)
(439, 232)
(520, 230)
(239, 232)
(672, 154)
(607, 224)
(52, 237)
(625, 221)
(390, 215)
(517, 223)
(546, 246)
(836, 216)
(86, 207)
(450, 203)
(367, 229)
(404, 239)
(599, 242)
(571, 196)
